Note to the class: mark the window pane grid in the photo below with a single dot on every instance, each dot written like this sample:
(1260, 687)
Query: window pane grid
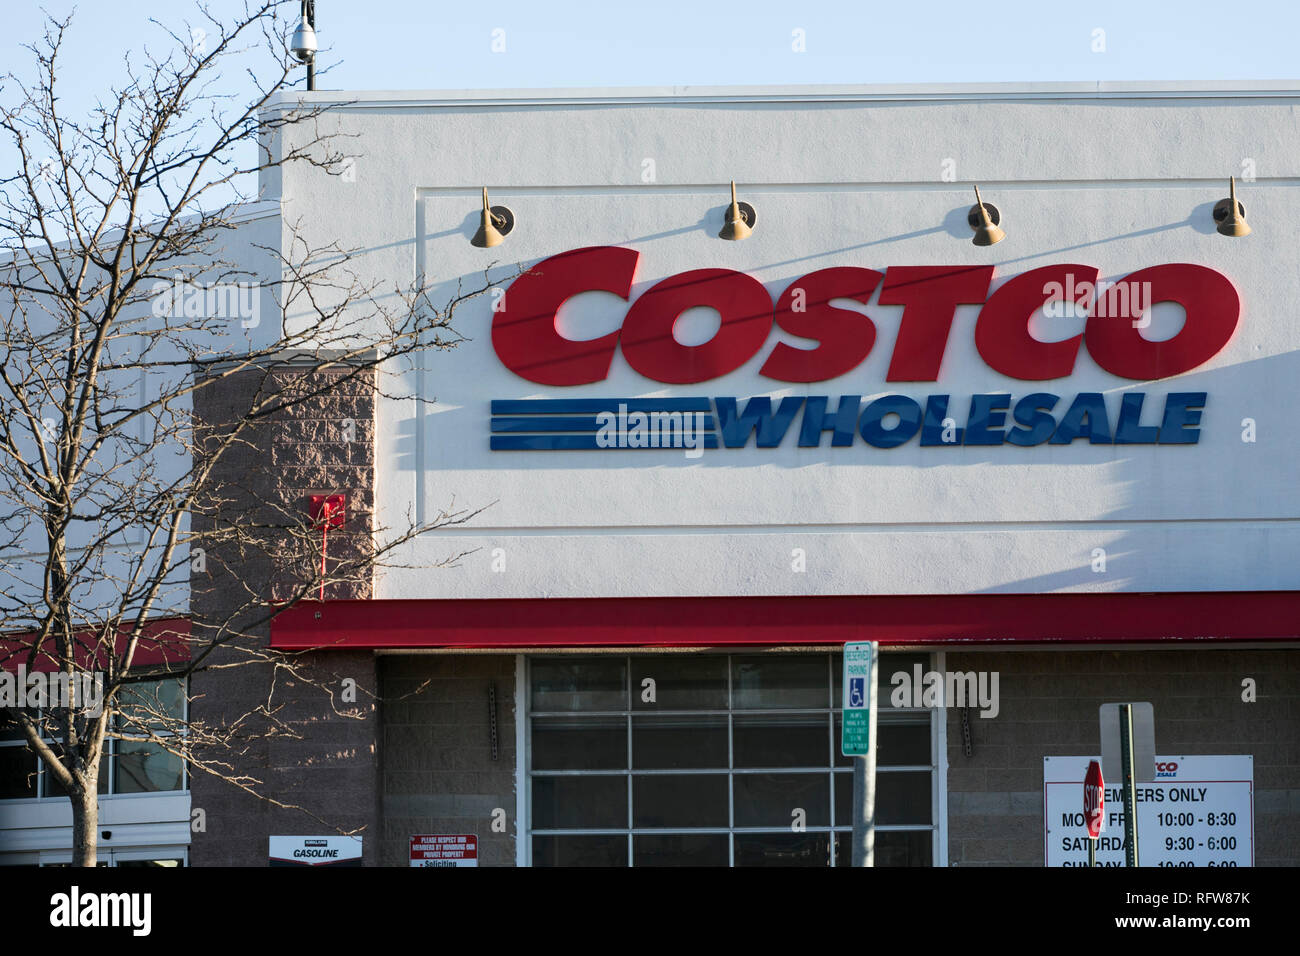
(885, 716)
(152, 766)
(739, 771)
(619, 831)
(731, 768)
(760, 716)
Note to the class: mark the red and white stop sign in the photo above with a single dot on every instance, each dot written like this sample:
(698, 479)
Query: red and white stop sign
(1094, 799)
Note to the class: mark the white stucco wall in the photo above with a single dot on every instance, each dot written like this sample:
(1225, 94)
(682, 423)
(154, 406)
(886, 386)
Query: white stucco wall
(1115, 177)
(99, 585)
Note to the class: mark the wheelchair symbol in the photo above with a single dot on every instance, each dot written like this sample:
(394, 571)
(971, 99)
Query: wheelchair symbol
(857, 692)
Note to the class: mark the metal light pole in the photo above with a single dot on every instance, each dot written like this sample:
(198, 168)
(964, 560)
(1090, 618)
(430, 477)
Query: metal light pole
(864, 784)
(1129, 784)
(309, 14)
(864, 806)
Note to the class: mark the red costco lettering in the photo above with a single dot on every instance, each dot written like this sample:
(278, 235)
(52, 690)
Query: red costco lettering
(1212, 307)
(524, 334)
(844, 337)
(1002, 330)
(741, 300)
(527, 342)
(1169, 767)
(929, 296)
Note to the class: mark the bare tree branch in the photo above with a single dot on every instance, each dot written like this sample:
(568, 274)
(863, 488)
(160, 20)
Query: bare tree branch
(121, 494)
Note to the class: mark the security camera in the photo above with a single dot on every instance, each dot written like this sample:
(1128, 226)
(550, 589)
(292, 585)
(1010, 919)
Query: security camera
(303, 42)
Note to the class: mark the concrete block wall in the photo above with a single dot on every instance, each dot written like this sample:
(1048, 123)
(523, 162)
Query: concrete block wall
(438, 775)
(1049, 702)
(319, 751)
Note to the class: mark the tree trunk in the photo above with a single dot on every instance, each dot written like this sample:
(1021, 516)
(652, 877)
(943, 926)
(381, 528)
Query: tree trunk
(85, 822)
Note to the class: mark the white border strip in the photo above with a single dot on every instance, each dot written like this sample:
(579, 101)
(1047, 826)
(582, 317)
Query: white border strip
(521, 766)
(807, 93)
(940, 726)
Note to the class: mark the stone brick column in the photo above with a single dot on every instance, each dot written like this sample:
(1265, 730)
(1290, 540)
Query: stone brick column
(440, 774)
(315, 759)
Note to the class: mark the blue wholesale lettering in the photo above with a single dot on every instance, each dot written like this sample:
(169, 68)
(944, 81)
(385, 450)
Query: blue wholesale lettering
(1032, 421)
(886, 421)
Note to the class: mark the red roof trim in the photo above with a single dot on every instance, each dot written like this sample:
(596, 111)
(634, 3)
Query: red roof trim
(165, 640)
(709, 621)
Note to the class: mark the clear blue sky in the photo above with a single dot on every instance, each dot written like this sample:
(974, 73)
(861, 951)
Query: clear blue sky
(410, 45)
(405, 44)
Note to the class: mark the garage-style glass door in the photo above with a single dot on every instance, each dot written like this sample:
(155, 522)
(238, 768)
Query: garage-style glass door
(714, 760)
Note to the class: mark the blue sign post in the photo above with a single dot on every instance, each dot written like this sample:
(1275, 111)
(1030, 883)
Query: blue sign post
(858, 740)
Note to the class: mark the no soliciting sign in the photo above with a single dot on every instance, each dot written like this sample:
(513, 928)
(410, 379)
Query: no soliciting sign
(441, 849)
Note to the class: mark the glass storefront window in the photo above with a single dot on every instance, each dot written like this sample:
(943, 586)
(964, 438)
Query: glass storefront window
(146, 768)
(697, 759)
(681, 682)
(155, 704)
(892, 848)
(580, 851)
(127, 766)
(175, 862)
(585, 802)
(770, 682)
(17, 773)
(579, 684)
(570, 743)
(139, 766)
(680, 849)
(679, 741)
(18, 765)
(783, 849)
(782, 799)
(50, 786)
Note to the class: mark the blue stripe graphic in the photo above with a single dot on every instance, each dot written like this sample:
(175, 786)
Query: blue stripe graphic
(575, 423)
(574, 419)
(571, 443)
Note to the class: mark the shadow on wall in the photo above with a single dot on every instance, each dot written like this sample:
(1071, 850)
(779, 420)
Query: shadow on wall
(1226, 492)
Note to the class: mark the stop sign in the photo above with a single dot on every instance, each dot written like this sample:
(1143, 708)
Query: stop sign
(1094, 799)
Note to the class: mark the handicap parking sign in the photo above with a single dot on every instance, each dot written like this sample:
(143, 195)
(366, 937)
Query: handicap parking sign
(857, 692)
(859, 673)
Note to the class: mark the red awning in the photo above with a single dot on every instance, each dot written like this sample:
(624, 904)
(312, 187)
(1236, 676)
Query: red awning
(165, 640)
(709, 621)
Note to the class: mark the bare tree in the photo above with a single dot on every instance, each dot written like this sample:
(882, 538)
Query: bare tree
(131, 306)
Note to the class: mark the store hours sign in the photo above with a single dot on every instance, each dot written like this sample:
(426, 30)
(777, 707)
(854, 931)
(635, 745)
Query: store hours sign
(1200, 811)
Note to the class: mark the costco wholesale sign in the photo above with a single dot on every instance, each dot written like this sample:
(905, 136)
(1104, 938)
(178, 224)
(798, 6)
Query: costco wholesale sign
(527, 341)
(1200, 811)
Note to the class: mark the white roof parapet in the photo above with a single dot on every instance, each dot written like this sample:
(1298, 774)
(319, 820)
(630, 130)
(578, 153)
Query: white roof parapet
(917, 92)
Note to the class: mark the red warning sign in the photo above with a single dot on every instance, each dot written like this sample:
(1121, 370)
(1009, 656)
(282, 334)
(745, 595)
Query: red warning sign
(439, 849)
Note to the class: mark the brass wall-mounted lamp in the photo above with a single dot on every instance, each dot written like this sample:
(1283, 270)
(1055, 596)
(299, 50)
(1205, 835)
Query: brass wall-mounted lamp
(1230, 215)
(740, 218)
(497, 223)
(984, 218)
